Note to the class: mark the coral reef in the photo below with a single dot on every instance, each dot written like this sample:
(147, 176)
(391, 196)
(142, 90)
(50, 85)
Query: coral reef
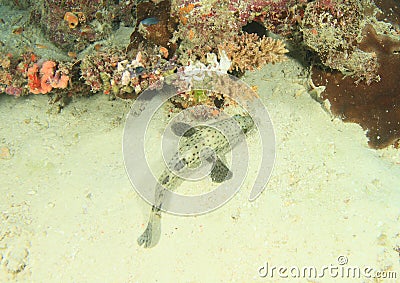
(188, 77)
(189, 99)
(352, 39)
(148, 69)
(184, 35)
(166, 36)
(390, 13)
(211, 27)
(97, 68)
(6, 77)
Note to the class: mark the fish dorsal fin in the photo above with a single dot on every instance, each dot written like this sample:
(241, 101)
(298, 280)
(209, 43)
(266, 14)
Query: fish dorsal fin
(220, 172)
(182, 129)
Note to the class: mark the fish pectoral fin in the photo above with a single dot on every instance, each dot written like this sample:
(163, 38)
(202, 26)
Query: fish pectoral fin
(182, 129)
(220, 172)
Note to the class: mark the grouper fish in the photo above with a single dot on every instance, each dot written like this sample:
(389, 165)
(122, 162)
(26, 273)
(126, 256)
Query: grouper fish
(220, 137)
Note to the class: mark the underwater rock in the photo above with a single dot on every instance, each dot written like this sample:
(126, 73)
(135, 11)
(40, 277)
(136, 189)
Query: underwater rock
(376, 107)
(73, 24)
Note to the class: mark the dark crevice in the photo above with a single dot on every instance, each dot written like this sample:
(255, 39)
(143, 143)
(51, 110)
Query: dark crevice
(255, 27)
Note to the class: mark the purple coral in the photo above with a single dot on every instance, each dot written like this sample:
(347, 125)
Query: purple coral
(15, 91)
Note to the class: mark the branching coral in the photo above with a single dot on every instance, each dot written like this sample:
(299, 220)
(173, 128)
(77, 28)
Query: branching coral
(249, 51)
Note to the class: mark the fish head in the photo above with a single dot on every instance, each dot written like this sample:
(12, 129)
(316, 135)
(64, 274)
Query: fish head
(245, 122)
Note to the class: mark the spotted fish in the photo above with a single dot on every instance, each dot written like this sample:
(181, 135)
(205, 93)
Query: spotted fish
(220, 137)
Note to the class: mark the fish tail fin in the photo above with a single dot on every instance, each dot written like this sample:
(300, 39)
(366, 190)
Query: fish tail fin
(151, 235)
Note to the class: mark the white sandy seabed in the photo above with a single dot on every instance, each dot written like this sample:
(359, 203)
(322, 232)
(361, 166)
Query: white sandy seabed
(69, 212)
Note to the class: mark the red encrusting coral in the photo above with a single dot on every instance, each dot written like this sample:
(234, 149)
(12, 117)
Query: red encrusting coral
(44, 80)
